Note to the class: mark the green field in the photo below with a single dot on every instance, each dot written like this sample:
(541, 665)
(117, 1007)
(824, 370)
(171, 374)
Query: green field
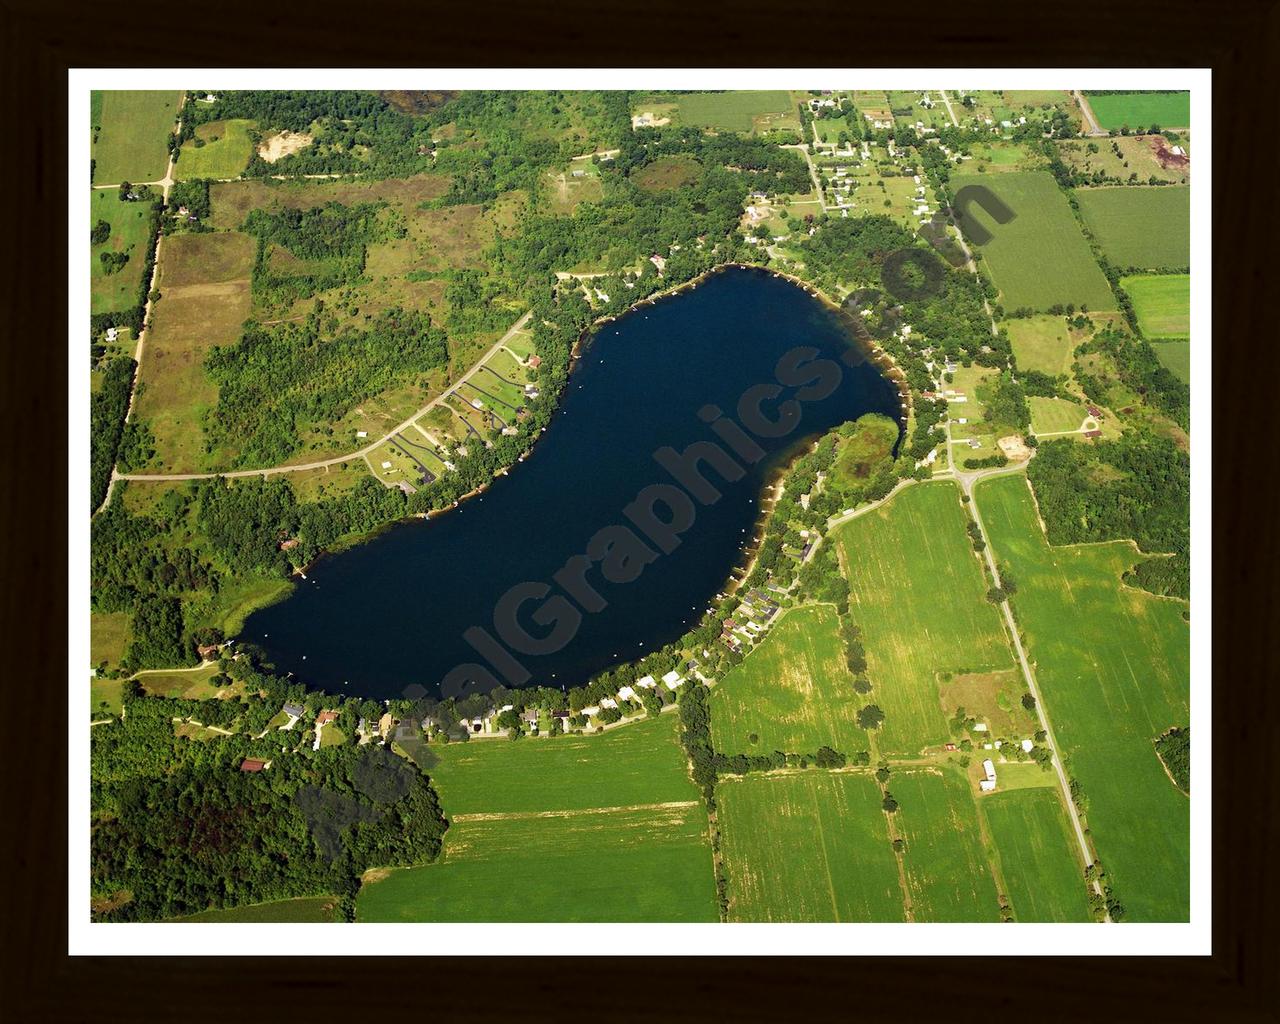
(1039, 864)
(303, 910)
(130, 230)
(224, 153)
(104, 697)
(948, 874)
(917, 590)
(1113, 666)
(1141, 109)
(1042, 343)
(793, 692)
(810, 846)
(1039, 258)
(1176, 356)
(735, 111)
(1162, 303)
(1144, 227)
(1055, 415)
(132, 142)
(574, 828)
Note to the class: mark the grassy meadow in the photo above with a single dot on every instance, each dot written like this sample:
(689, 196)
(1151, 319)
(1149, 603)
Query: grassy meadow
(224, 151)
(1039, 258)
(1162, 303)
(808, 846)
(1044, 343)
(133, 128)
(1039, 864)
(793, 692)
(1148, 228)
(918, 592)
(130, 230)
(1113, 666)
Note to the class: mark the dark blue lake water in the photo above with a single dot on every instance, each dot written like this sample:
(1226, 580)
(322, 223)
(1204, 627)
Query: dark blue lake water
(391, 613)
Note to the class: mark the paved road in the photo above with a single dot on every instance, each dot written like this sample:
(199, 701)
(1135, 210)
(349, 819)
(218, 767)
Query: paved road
(337, 459)
(950, 113)
(1088, 114)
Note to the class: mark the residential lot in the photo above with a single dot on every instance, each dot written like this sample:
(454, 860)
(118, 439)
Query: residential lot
(130, 230)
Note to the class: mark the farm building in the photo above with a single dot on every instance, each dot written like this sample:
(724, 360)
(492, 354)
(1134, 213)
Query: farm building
(253, 764)
(989, 769)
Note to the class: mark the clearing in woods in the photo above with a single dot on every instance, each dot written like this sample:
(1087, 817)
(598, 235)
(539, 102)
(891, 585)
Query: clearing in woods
(1044, 343)
(1039, 258)
(572, 828)
(808, 846)
(792, 693)
(918, 591)
(1039, 862)
(1113, 666)
(220, 149)
(130, 131)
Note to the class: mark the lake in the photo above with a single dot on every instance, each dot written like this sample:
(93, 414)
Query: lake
(390, 614)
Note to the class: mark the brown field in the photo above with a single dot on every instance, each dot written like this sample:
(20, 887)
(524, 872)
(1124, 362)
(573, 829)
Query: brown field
(204, 281)
(991, 697)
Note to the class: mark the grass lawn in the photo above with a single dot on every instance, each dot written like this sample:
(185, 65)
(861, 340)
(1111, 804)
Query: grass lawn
(918, 592)
(1148, 228)
(204, 280)
(104, 696)
(1141, 109)
(225, 153)
(1162, 303)
(303, 910)
(1043, 343)
(808, 846)
(1055, 415)
(132, 140)
(1113, 666)
(1176, 355)
(1039, 864)
(130, 230)
(948, 874)
(1039, 258)
(793, 692)
(573, 828)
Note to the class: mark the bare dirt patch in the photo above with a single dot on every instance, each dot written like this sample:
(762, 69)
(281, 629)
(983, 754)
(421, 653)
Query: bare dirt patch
(1014, 448)
(1167, 158)
(283, 144)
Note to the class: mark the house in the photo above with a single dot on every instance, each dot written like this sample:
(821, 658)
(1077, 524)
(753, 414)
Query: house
(986, 785)
(386, 465)
(626, 693)
(950, 746)
(289, 543)
(325, 717)
(113, 333)
(385, 725)
(252, 764)
(672, 680)
(362, 433)
(530, 717)
(535, 361)
(294, 711)
(1027, 745)
(608, 702)
(1094, 411)
(980, 727)
(590, 711)
(205, 650)
(647, 682)
(1093, 433)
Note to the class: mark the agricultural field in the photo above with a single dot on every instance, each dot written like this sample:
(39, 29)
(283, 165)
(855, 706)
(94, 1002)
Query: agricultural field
(1175, 356)
(1113, 666)
(571, 828)
(131, 129)
(736, 111)
(793, 692)
(130, 230)
(917, 590)
(948, 874)
(1147, 228)
(1039, 864)
(220, 149)
(204, 281)
(1043, 343)
(1126, 157)
(1039, 258)
(303, 910)
(1162, 303)
(808, 846)
(1141, 109)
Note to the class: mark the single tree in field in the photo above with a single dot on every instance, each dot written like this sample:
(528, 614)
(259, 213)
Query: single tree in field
(870, 717)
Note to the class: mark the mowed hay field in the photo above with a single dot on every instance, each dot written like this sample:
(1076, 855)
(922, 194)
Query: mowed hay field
(225, 150)
(1039, 863)
(1162, 303)
(1141, 109)
(1144, 227)
(132, 144)
(919, 594)
(738, 111)
(1175, 356)
(1039, 258)
(794, 691)
(1043, 343)
(130, 230)
(204, 281)
(808, 846)
(1113, 666)
(575, 828)
(949, 877)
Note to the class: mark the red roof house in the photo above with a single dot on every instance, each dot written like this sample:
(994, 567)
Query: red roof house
(325, 717)
(252, 764)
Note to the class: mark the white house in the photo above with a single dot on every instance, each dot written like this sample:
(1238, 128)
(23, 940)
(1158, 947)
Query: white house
(590, 711)
(672, 679)
(608, 702)
(1027, 745)
(647, 682)
(986, 785)
(626, 693)
(980, 727)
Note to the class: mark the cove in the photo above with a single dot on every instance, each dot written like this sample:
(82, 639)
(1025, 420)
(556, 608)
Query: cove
(390, 613)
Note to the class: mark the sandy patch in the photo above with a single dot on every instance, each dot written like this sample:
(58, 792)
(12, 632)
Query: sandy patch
(646, 119)
(1014, 448)
(283, 144)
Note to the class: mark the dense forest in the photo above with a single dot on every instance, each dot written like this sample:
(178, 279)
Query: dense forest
(1174, 748)
(107, 408)
(1138, 487)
